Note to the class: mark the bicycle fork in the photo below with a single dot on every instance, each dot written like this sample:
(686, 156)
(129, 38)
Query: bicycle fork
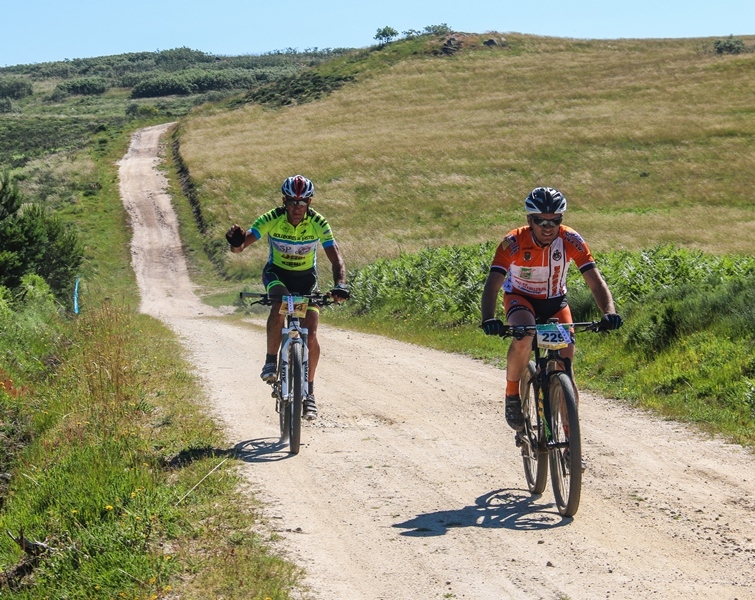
(292, 336)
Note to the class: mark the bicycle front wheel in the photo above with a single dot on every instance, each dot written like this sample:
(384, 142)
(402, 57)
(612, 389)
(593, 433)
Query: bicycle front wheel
(295, 407)
(534, 457)
(566, 449)
(282, 404)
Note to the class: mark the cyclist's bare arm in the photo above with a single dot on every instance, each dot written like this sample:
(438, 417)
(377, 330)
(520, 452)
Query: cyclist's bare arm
(339, 273)
(600, 291)
(336, 260)
(493, 285)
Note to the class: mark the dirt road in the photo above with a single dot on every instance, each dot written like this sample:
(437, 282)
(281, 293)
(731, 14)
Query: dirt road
(409, 486)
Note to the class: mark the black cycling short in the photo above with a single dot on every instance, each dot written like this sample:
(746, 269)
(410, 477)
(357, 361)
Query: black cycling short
(296, 282)
(543, 309)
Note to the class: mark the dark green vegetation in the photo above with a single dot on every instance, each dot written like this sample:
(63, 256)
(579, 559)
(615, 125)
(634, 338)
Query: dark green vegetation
(34, 240)
(112, 467)
(48, 107)
(687, 347)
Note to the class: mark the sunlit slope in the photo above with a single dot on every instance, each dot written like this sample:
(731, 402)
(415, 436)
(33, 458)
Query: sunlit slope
(650, 140)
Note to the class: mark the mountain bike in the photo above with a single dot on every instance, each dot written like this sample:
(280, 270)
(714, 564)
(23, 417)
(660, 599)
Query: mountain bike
(551, 420)
(290, 384)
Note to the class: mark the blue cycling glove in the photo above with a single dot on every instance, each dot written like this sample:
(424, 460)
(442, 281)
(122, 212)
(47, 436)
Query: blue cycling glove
(493, 326)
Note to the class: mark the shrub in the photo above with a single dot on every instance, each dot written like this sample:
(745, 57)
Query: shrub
(84, 86)
(142, 110)
(441, 29)
(730, 45)
(15, 88)
(6, 105)
(303, 87)
(411, 33)
(181, 58)
(34, 241)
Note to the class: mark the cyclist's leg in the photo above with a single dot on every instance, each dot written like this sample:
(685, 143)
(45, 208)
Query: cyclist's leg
(564, 316)
(275, 321)
(311, 322)
(519, 311)
(303, 283)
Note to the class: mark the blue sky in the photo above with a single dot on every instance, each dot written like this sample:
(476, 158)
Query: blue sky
(45, 30)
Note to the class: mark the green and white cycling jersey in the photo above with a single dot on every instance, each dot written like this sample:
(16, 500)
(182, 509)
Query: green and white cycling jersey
(293, 248)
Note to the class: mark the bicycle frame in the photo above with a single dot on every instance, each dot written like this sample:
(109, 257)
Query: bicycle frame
(551, 431)
(293, 334)
(290, 384)
(547, 366)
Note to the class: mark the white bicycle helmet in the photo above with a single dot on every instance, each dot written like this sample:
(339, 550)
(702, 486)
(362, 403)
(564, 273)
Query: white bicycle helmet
(545, 200)
(298, 186)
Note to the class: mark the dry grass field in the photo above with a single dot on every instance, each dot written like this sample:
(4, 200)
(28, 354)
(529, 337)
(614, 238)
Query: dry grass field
(651, 141)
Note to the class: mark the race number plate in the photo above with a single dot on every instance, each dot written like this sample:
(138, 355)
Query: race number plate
(294, 305)
(553, 336)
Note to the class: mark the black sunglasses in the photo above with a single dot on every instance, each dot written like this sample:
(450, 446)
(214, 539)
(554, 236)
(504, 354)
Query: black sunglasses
(296, 202)
(540, 222)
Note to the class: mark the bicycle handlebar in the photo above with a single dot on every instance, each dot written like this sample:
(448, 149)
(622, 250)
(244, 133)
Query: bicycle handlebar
(519, 331)
(270, 299)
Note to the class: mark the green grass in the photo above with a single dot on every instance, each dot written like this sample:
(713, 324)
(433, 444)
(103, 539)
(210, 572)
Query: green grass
(117, 468)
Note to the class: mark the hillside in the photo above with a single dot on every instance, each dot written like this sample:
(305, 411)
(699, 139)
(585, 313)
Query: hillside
(651, 141)
(54, 106)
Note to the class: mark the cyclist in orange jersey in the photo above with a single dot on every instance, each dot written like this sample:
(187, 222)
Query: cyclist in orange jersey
(530, 265)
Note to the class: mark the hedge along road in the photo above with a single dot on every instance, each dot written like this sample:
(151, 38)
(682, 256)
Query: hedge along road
(408, 484)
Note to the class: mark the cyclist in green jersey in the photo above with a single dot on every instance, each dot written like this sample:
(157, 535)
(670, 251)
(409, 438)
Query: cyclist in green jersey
(293, 232)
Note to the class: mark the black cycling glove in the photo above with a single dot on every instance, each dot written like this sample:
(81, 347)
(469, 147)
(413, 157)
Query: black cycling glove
(610, 321)
(235, 237)
(341, 291)
(493, 326)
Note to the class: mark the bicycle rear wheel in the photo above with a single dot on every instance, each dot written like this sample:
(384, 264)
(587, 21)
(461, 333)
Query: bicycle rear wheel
(535, 460)
(295, 406)
(566, 452)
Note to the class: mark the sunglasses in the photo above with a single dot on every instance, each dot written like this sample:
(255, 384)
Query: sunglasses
(540, 222)
(295, 202)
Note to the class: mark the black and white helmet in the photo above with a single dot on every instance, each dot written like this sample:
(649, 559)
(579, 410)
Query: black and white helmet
(298, 186)
(545, 200)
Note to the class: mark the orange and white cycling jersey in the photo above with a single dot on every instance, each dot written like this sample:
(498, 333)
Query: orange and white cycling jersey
(536, 271)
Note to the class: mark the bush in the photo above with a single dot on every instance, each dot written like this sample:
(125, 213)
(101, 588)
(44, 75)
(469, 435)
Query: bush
(303, 87)
(34, 241)
(441, 29)
(730, 45)
(15, 88)
(6, 105)
(85, 86)
(142, 110)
